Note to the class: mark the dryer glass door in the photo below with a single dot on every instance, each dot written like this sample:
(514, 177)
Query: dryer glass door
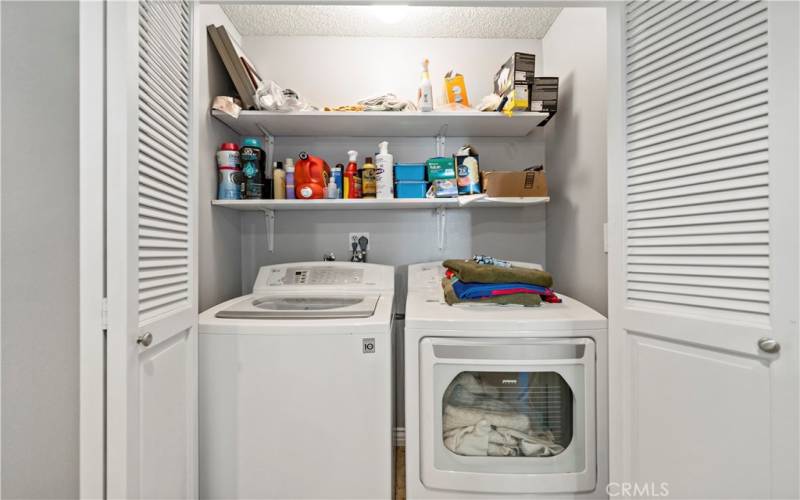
(508, 415)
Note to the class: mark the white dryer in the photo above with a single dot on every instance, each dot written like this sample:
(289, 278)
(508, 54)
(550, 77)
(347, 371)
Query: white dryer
(295, 385)
(503, 401)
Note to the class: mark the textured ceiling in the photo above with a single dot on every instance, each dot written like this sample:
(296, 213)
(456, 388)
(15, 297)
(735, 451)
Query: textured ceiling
(440, 22)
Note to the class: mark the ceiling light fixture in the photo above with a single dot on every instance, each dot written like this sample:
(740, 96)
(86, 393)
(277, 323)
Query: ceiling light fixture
(390, 14)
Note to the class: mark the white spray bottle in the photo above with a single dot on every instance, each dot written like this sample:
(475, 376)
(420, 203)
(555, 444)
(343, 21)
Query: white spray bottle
(384, 173)
(425, 92)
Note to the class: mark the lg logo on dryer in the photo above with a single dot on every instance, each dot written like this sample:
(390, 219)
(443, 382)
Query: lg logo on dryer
(368, 346)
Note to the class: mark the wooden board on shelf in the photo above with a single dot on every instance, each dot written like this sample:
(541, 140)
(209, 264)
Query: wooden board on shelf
(373, 204)
(382, 123)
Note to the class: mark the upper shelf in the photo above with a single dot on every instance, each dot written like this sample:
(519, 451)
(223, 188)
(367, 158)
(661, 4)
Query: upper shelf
(374, 204)
(382, 123)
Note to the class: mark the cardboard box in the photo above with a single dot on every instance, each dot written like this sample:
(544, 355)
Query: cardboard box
(455, 89)
(514, 80)
(440, 168)
(503, 183)
(544, 94)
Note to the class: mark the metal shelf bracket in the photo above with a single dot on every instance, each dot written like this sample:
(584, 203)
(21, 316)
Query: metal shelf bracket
(441, 140)
(269, 141)
(441, 226)
(269, 220)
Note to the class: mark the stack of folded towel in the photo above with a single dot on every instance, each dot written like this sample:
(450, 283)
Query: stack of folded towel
(483, 279)
(477, 422)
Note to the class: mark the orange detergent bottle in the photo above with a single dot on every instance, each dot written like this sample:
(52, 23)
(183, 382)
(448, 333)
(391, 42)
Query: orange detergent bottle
(311, 175)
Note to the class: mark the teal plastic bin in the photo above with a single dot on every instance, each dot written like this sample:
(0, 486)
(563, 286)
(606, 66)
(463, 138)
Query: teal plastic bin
(410, 189)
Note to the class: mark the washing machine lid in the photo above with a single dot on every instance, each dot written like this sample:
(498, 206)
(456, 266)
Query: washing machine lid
(293, 306)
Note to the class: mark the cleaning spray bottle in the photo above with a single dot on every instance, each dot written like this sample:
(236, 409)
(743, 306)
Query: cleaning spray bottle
(350, 174)
(425, 92)
(384, 173)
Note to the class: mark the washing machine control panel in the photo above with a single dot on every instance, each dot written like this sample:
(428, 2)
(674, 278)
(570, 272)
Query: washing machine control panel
(318, 275)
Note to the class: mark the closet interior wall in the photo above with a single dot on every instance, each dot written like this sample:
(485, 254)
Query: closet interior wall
(576, 156)
(219, 231)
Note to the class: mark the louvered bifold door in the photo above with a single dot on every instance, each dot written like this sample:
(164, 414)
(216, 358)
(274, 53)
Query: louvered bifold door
(164, 217)
(701, 229)
(697, 158)
(152, 411)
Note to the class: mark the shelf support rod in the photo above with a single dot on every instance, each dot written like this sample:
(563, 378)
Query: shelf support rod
(441, 140)
(441, 226)
(269, 220)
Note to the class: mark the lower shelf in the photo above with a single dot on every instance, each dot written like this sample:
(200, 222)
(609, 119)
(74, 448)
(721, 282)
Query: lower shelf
(374, 204)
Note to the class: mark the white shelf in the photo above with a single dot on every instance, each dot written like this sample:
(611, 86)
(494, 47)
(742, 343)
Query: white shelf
(382, 123)
(373, 204)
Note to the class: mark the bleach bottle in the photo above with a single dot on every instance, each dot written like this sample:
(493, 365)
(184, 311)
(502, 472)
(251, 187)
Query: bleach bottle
(384, 173)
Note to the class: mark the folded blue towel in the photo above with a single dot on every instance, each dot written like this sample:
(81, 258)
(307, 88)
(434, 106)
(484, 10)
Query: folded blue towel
(481, 290)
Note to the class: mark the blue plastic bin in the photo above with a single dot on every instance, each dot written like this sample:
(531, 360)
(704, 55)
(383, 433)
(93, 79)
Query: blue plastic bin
(409, 172)
(410, 189)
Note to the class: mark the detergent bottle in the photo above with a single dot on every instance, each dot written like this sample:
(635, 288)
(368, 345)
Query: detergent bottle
(350, 174)
(311, 174)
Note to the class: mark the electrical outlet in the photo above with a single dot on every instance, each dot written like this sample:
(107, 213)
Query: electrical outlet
(355, 237)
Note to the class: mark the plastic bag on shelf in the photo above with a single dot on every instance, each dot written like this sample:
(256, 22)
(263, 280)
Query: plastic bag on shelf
(272, 97)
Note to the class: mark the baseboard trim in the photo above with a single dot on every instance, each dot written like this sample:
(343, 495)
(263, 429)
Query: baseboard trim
(399, 436)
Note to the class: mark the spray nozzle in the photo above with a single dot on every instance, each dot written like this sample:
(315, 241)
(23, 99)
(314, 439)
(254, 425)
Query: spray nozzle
(353, 155)
(384, 147)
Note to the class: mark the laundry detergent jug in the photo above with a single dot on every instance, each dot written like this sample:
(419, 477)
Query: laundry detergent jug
(311, 174)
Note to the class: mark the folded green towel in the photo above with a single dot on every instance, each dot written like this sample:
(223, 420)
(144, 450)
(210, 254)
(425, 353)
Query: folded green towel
(469, 271)
(522, 299)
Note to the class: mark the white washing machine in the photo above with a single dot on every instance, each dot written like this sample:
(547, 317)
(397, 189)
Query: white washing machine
(295, 385)
(503, 401)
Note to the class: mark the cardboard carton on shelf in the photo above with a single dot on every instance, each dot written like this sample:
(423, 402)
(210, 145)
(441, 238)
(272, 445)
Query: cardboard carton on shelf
(514, 80)
(531, 182)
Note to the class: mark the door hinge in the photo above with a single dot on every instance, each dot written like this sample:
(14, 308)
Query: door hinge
(104, 313)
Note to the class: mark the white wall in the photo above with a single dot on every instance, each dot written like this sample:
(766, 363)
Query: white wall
(330, 71)
(576, 155)
(39, 66)
(219, 231)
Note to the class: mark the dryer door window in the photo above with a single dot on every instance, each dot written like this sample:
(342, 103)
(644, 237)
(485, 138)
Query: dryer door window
(507, 414)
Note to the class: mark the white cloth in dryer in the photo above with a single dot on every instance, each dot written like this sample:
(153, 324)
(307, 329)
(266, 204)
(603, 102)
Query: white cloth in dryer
(483, 439)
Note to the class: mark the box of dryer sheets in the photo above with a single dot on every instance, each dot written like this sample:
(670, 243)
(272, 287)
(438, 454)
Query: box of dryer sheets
(544, 94)
(514, 80)
(503, 183)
